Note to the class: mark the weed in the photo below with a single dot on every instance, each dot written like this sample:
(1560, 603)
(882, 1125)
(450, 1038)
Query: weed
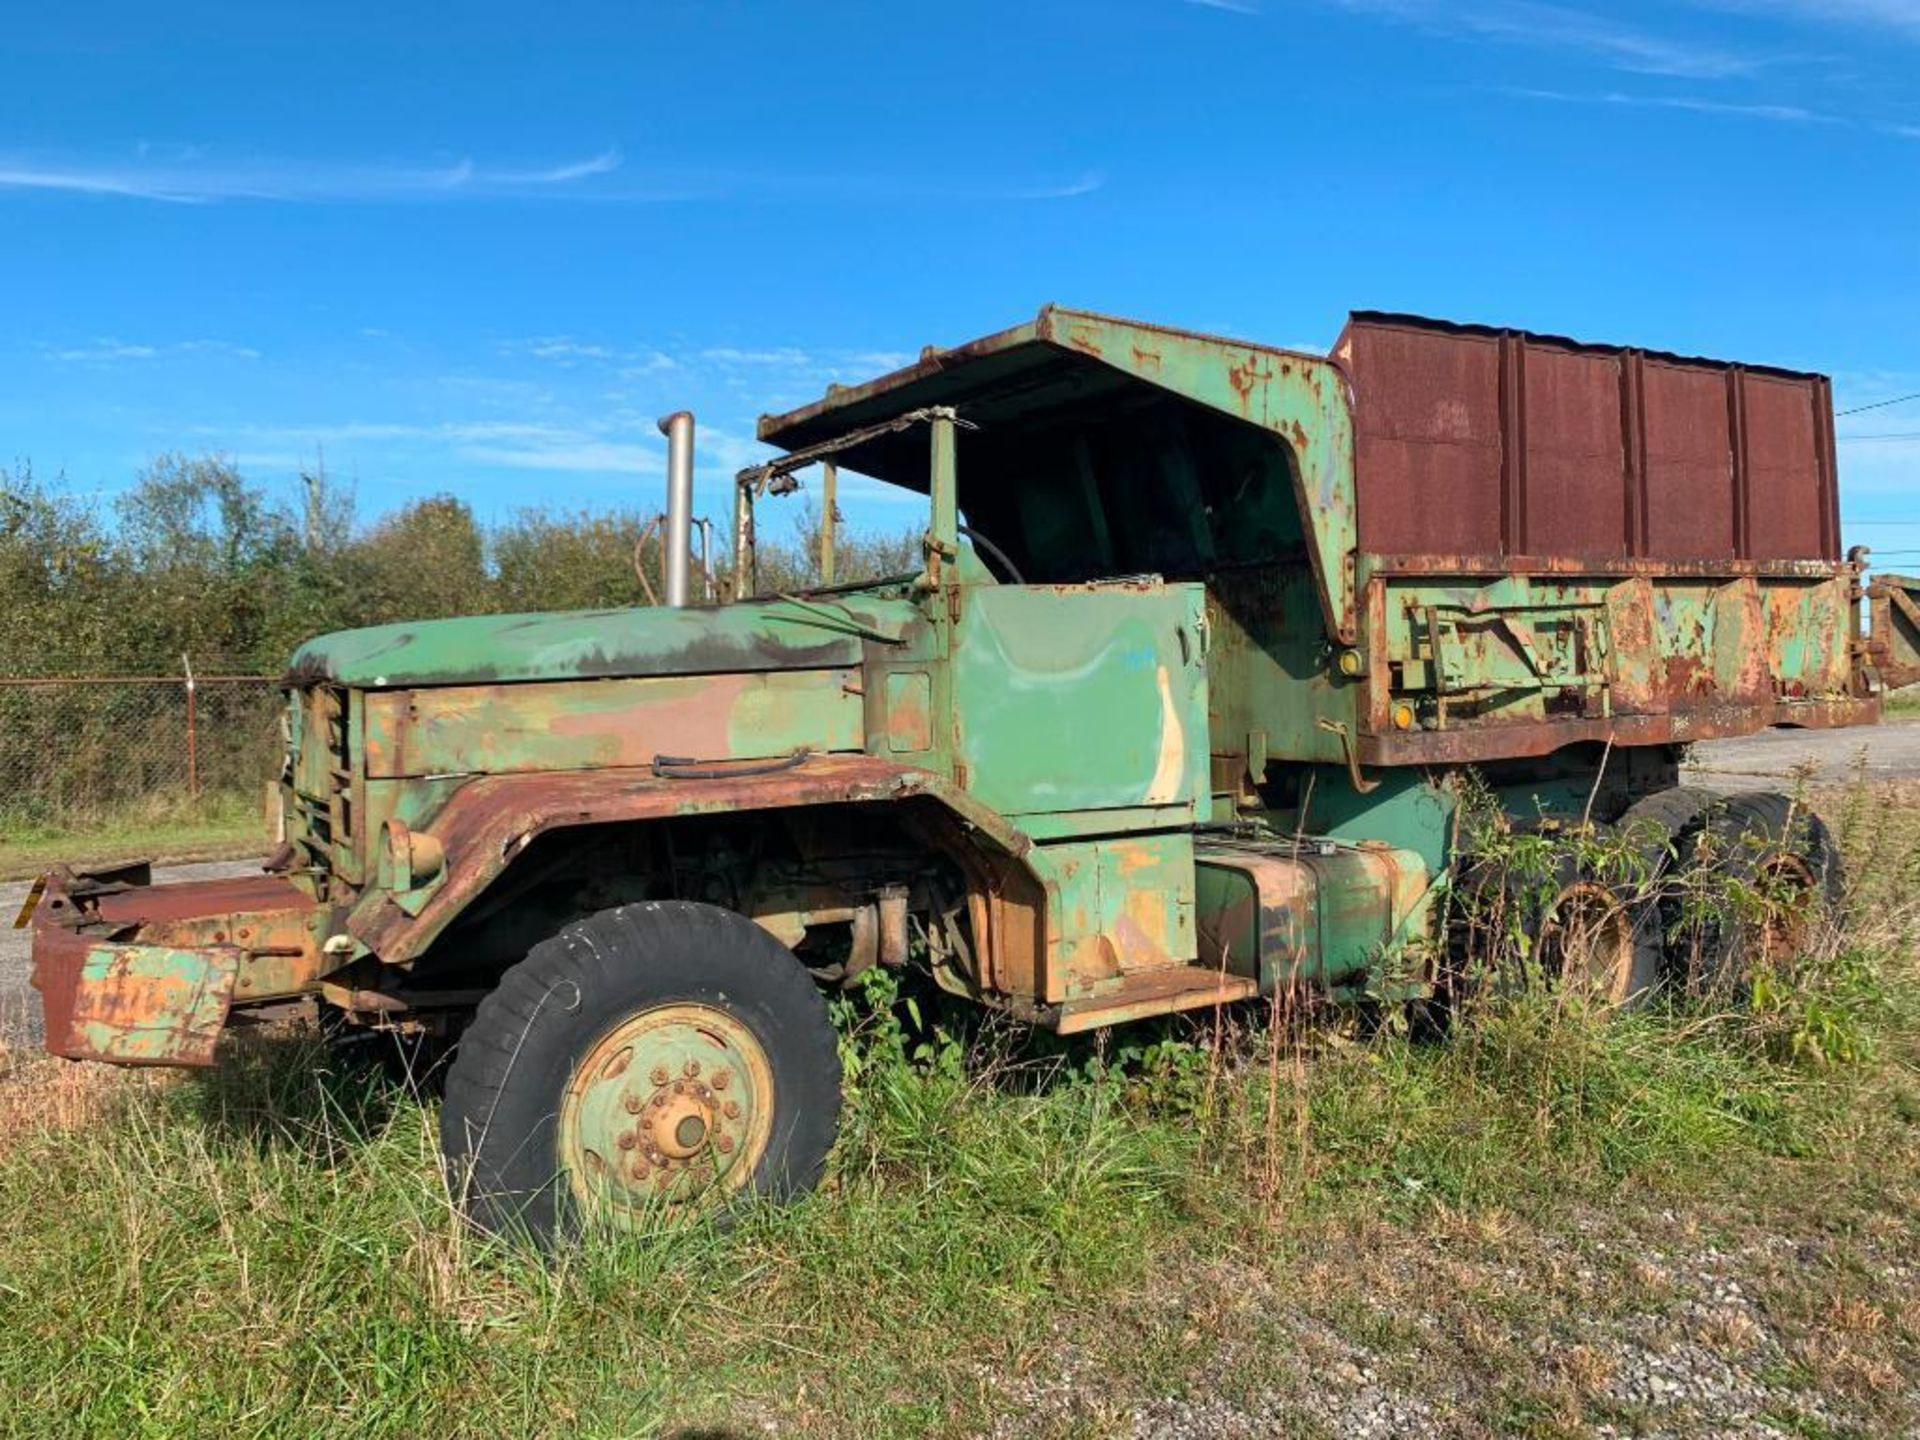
(268, 1249)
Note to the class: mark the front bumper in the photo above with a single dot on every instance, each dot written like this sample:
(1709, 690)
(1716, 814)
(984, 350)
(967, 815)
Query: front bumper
(137, 974)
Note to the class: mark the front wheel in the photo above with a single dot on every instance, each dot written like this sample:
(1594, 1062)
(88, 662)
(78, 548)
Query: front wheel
(645, 1062)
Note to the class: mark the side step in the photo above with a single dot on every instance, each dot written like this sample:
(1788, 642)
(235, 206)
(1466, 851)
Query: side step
(1161, 991)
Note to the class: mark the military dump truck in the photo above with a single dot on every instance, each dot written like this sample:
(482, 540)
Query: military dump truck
(1176, 710)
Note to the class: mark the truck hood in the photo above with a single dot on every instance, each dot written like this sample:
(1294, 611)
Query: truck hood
(643, 640)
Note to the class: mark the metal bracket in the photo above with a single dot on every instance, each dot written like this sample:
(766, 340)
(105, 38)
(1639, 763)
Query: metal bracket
(1361, 784)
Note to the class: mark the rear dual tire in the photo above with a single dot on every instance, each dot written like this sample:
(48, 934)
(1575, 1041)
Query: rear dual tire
(1751, 874)
(1563, 925)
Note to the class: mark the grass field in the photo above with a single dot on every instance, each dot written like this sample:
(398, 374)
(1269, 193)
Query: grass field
(1690, 1221)
(217, 827)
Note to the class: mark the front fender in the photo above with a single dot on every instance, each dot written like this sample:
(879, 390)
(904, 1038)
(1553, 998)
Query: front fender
(490, 821)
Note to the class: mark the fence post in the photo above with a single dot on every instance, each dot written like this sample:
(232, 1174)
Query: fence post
(193, 750)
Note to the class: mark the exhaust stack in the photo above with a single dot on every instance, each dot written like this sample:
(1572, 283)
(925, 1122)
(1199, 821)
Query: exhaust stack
(677, 544)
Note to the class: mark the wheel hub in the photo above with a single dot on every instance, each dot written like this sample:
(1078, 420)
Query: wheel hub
(1787, 884)
(1588, 938)
(671, 1107)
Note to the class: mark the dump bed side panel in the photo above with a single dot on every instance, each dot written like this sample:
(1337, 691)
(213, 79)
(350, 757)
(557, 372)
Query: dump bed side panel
(1562, 542)
(1497, 444)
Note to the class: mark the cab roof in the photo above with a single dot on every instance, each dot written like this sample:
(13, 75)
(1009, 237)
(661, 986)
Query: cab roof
(1061, 363)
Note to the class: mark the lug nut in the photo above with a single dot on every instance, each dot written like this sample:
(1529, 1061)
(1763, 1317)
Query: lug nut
(626, 1140)
(722, 1079)
(659, 1076)
(639, 1171)
(632, 1103)
(693, 1068)
(730, 1110)
(723, 1143)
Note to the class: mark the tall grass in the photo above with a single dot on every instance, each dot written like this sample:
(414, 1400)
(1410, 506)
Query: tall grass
(267, 1249)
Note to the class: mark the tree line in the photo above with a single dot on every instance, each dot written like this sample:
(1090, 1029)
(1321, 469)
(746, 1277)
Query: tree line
(196, 559)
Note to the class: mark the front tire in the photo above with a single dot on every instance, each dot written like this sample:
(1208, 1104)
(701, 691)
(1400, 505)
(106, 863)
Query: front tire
(646, 1062)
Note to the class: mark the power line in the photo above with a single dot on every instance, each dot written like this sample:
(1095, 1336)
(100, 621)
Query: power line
(1894, 435)
(1877, 405)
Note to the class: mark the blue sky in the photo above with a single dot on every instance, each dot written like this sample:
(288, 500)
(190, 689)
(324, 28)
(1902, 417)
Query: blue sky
(479, 248)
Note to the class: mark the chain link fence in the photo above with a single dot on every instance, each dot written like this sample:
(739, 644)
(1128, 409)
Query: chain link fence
(78, 751)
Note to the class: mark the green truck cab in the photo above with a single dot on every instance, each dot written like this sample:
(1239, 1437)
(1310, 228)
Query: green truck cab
(1177, 717)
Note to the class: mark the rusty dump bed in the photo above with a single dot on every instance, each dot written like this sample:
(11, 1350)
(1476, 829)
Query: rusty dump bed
(1438, 544)
(1496, 445)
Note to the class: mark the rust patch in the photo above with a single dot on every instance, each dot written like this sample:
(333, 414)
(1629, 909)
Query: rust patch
(152, 1004)
(490, 820)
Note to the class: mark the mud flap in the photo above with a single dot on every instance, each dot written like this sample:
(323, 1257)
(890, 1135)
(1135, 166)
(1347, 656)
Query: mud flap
(151, 1005)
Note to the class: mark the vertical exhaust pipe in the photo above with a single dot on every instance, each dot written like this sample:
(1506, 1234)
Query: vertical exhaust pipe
(677, 545)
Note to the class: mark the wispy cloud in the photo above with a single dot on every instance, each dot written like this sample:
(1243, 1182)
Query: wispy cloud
(1238, 7)
(107, 350)
(182, 176)
(1789, 114)
(194, 179)
(1084, 184)
(1901, 15)
(1731, 109)
(605, 163)
(1562, 27)
(561, 349)
(579, 455)
(778, 364)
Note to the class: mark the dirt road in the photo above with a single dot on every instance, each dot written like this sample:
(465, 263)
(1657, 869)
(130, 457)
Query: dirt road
(1758, 762)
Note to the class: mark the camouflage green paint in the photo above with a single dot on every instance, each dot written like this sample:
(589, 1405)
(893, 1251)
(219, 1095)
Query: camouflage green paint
(1408, 811)
(153, 1005)
(1492, 666)
(1080, 698)
(486, 649)
(1300, 398)
(1116, 907)
(596, 724)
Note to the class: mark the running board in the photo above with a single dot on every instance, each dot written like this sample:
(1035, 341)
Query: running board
(1161, 991)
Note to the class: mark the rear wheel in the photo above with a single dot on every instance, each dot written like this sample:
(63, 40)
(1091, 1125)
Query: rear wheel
(1755, 872)
(1544, 916)
(642, 1064)
(1593, 941)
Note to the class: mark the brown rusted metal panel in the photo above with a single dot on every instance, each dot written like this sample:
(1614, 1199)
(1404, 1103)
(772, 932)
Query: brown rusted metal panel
(1427, 438)
(1475, 441)
(97, 1013)
(1788, 496)
(1689, 464)
(1577, 487)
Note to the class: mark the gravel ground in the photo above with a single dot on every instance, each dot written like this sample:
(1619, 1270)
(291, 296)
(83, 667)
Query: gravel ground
(1608, 1324)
